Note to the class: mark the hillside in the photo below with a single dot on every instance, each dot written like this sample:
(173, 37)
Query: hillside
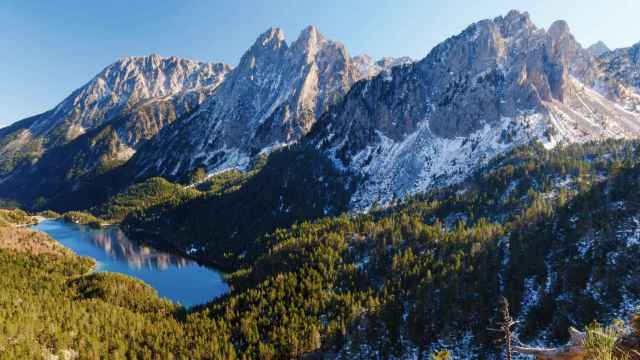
(420, 276)
(427, 274)
(50, 306)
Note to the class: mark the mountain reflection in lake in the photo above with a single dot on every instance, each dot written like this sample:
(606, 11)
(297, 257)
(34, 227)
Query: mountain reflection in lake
(173, 276)
(118, 246)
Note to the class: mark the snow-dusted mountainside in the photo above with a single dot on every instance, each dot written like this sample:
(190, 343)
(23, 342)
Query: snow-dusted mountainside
(624, 65)
(126, 83)
(271, 99)
(500, 83)
(398, 126)
(619, 76)
(137, 88)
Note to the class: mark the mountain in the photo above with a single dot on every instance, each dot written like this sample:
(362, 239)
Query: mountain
(598, 49)
(123, 91)
(500, 83)
(124, 106)
(270, 100)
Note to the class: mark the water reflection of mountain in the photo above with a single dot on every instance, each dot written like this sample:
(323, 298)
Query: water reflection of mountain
(118, 246)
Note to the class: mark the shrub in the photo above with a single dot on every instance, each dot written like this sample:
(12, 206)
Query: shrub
(600, 342)
(15, 217)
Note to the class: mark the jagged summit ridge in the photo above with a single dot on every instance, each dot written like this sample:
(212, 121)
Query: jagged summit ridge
(274, 37)
(126, 88)
(271, 99)
(126, 83)
(500, 83)
(401, 126)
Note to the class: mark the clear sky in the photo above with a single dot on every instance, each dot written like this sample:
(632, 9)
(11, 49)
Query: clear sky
(49, 48)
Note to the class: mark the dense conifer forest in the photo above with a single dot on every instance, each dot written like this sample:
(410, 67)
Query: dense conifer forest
(552, 231)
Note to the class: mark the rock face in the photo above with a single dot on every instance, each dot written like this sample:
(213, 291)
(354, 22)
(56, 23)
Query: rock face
(624, 65)
(142, 93)
(619, 77)
(598, 49)
(125, 84)
(271, 99)
(500, 83)
(368, 68)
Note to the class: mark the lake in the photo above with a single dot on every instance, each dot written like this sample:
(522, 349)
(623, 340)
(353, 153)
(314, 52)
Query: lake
(174, 277)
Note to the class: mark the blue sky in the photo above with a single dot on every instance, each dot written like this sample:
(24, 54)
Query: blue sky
(50, 48)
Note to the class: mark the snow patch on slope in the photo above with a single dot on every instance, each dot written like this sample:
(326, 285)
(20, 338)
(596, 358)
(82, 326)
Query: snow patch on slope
(423, 160)
(630, 232)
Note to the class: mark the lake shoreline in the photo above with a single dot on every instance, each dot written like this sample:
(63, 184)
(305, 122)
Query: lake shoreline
(180, 279)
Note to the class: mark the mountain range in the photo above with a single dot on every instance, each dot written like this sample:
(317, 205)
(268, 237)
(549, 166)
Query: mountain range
(365, 209)
(399, 126)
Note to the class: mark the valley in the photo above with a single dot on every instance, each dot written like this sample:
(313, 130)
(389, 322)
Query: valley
(307, 204)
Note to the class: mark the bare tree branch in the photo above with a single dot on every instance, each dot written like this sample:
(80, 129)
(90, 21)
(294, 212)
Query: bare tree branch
(573, 350)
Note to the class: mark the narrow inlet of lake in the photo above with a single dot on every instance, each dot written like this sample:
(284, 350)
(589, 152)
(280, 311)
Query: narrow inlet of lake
(174, 277)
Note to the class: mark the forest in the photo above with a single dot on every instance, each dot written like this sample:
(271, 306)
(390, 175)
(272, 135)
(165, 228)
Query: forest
(554, 232)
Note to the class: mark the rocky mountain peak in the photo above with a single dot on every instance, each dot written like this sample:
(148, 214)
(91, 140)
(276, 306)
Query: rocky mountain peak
(310, 35)
(120, 93)
(515, 23)
(563, 45)
(310, 42)
(154, 59)
(559, 29)
(517, 16)
(273, 37)
(365, 58)
(497, 84)
(124, 84)
(271, 99)
(368, 68)
(388, 62)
